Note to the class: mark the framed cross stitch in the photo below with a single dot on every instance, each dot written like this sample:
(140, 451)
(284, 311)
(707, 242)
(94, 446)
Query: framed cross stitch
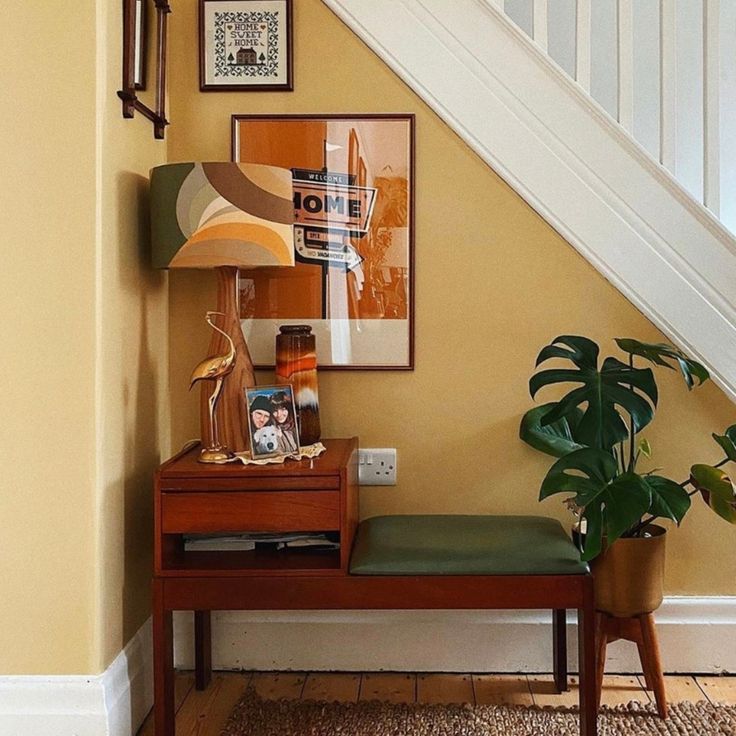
(245, 45)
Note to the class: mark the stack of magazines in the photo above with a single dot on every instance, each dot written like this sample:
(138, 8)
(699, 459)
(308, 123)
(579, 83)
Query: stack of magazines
(258, 540)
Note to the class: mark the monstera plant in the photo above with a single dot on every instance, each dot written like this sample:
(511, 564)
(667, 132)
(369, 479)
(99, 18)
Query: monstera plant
(595, 429)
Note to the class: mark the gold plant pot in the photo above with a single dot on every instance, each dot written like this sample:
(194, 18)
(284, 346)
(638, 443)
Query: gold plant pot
(629, 575)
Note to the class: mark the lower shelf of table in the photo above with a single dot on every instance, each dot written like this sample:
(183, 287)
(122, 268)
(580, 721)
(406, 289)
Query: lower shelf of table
(253, 562)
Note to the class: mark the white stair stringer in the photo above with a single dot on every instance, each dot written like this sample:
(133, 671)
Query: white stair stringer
(575, 166)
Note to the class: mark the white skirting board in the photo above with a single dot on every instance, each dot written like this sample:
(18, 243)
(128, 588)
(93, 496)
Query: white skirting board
(114, 703)
(692, 633)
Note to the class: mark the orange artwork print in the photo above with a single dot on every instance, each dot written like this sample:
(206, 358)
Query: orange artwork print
(352, 179)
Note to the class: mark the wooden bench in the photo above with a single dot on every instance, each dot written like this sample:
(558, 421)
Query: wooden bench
(397, 562)
(495, 562)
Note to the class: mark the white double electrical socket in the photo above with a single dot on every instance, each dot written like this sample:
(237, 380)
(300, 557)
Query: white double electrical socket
(377, 466)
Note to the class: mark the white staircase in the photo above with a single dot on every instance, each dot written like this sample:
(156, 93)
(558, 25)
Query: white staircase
(544, 133)
(664, 69)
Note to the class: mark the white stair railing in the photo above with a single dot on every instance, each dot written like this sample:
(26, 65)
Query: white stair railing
(558, 148)
(665, 70)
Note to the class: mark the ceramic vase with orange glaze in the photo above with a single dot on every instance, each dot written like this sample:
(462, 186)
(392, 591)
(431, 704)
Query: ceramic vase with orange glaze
(296, 364)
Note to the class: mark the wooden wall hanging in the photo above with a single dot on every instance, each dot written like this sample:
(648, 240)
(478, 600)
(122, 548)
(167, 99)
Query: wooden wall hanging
(135, 62)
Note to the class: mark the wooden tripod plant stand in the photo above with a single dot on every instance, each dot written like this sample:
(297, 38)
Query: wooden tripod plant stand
(639, 629)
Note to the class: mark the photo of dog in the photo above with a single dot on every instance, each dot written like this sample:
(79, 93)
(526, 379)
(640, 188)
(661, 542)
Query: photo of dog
(272, 421)
(266, 440)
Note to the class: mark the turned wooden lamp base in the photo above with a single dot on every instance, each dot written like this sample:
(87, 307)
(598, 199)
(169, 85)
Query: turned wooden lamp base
(641, 630)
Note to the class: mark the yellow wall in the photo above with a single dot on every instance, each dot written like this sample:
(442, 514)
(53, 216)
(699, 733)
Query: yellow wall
(47, 289)
(84, 342)
(133, 420)
(86, 415)
(494, 283)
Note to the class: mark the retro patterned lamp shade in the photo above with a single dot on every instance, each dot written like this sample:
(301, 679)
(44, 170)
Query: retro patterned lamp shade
(223, 216)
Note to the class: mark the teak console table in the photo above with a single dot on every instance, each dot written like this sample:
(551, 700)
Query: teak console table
(313, 495)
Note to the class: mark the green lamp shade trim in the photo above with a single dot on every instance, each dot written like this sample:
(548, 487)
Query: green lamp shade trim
(166, 235)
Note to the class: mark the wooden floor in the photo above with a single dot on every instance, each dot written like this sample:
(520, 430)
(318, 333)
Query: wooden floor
(204, 713)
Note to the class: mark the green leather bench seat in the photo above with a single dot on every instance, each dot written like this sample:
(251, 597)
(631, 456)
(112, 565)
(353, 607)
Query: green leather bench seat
(463, 545)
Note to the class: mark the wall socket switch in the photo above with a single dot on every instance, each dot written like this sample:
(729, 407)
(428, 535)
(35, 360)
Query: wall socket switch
(377, 466)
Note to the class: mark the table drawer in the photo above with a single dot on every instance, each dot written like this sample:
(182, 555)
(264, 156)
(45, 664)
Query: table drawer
(288, 483)
(278, 511)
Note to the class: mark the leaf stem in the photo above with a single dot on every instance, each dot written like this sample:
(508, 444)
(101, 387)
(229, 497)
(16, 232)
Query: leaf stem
(632, 431)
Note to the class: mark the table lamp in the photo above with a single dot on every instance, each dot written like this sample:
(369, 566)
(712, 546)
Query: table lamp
(225, 216)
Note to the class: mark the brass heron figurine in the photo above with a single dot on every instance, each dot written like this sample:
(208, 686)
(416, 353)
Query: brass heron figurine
(215, 368)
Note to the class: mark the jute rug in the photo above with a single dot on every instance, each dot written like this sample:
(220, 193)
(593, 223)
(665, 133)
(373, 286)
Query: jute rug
(254, 716)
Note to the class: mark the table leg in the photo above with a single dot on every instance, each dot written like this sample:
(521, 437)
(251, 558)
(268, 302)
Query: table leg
(559, 651)
(202, 649)
(586, 658)
(163, 664)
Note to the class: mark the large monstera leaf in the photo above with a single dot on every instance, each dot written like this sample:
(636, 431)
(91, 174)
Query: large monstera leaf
(727, 441)
(717, 489)
(714, 484)
(669, 499)
(556, 438)
(604, 392)
(612, 503)
(664, 355)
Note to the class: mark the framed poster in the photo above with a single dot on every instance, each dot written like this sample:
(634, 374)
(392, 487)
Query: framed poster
(354, 276)
(245, 45)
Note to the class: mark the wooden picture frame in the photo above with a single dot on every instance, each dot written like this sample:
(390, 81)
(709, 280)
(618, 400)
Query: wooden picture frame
(246, 45)
(135, 62)
(353, 282)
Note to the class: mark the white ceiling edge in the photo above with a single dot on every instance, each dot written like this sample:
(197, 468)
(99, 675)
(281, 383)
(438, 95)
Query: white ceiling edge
(575, 166)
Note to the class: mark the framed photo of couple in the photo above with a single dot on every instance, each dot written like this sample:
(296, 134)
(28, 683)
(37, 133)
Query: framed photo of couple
(272, 421)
